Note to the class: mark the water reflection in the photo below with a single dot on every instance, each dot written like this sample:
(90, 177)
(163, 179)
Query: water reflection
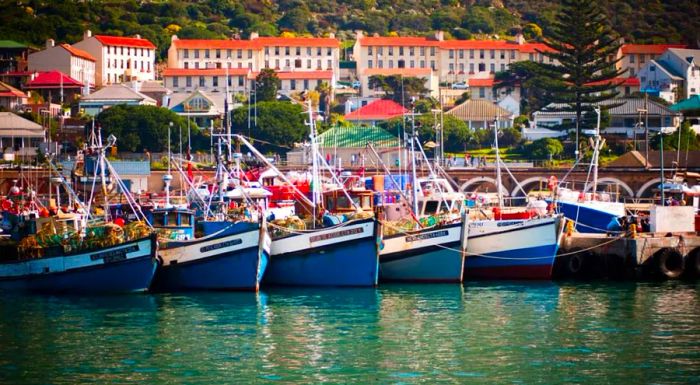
(486, 332)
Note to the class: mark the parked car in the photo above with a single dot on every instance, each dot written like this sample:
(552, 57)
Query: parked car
(459, 86)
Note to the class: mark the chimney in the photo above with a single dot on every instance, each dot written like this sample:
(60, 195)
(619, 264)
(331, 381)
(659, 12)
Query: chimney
(359, 34)
(519, 38)
(331, 35)
(254, 35)
(173, 38)
(439, 35)
(87, 34)
(50, 43)
(137, 36)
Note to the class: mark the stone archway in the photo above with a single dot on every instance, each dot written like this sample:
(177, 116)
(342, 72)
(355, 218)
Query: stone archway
(625, 186)
(642, 190)
(479, 180)
(527, 182)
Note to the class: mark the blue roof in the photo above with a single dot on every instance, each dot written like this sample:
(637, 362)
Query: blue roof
(122, 167)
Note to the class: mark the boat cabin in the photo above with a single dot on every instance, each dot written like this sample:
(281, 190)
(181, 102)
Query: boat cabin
(177, 221)
(337, 202)
(435, 196)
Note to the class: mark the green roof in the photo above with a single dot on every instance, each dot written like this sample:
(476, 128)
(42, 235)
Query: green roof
(357, 137)
(692, 103)
(12, 44)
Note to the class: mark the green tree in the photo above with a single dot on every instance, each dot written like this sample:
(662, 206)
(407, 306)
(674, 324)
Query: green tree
(398, 88)
(581, 43)
(689, 140)
(279, 125)
(462, 98)
(267, 84)
(456, 132)
(138, 128)
(544, 148)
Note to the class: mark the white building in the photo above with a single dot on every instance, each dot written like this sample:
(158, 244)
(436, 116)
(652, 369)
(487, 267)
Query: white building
(120, 59)
(674, 76)
(72, 61)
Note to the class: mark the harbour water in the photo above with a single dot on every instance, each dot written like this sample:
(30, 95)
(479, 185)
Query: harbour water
(483, 333)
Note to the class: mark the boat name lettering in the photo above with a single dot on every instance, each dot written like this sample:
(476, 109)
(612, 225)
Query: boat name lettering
(337, 234)
(506, 223)
(221, 245)
(420, 237)
(114, 255)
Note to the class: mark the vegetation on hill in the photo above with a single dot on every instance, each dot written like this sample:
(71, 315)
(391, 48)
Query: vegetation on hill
(34, 21)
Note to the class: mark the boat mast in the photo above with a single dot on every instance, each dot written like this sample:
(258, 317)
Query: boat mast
(315, 180)
(596, 154)
(499, 184)
(414, 185)
(101, 155)
(168, 177)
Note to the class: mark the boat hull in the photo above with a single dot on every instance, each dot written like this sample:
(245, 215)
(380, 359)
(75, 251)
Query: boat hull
(520, 249)
(428, 255)
(234, 258)
(589, 218)
(343, 255)
(128, 267)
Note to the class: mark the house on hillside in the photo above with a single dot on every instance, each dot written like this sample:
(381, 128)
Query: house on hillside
(479, 113)
(54, 87)
(113, 95)
(13, 57)
(67, 59)
(19, 136)
(376, 112)
(11, 99)
(200, 106)
(674, 76)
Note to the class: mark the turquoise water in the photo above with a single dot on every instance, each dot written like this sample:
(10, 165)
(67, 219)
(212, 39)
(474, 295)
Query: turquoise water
(481, 333)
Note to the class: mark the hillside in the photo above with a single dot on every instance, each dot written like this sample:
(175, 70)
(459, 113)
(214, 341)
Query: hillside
(33, 21)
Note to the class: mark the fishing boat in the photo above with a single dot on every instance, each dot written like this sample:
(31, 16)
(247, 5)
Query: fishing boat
(69, 253)
(336, 252)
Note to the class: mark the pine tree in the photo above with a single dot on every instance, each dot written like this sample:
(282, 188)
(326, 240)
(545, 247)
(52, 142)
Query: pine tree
(583, 46)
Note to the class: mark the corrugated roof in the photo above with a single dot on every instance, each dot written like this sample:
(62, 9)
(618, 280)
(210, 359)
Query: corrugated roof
(628, 106)
(8, 90)
(77, 52)
(692, 103)
(116, 92)
(479, 110)
(52, 79)
(656, 49)
(357, 137)
(12, 124)
(124, 41)
(381, 109)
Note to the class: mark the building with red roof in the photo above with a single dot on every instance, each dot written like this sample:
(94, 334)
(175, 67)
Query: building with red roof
(11, 98)
(119, 59)
(633, 57)
(300, 62)
(54, 86)
(65, 58)
(377, 111)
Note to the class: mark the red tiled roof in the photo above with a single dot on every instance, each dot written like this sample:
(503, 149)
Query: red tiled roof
(52, 79)
(630, 81)
(488, 82)
(649, 48)
(215, 43)
(77, 52)
(124, 41)
(534, 47)
(398, 71)
(478, 44)
(7, 90)
(204, 72)
(382, 109)
(321, 75)
(298, 41)
(399, 41)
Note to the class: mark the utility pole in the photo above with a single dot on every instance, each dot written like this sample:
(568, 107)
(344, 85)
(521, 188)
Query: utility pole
(646, 127)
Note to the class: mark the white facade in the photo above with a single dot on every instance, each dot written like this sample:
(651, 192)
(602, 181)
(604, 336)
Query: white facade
(120, 59)
(73, 62)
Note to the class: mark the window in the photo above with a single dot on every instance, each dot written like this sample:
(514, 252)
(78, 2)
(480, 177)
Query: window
(652, 68)
(369, 50)
(481, 54)
(503, 67)
(218, 65)
(188, 81)
(329, 52)
(493, 54)
(642, 58)
(482, 67)
(308, 63)
(308, 51)
(215, 81)
(122, 50)
(380, 50)
(293, 84)
(461, 54)
(250, 54)
(369, 63)
(391, 51)
(318, 64)
(298, 51)
(306, 84)
(493, 68)
(186, 54)
(503, 54)
(318, 51)
(413, 64)
(452, 54)
(512, 54)
(401, 64)
(277, 63)
(228, 80)
(452, 68)
(297, 63)
(422, 51)
(432, 65)
(330, 64)
(240, 81)
(471, 54)
(267, 51)
(267, 64)
(391, 64)
(401, 50)
(482, 92)
(411, 51)
(218, 54)
(202, 82)
(239, 54)
(196, 64)
(422, 64)
(277, 50)
(196, 54)
(631, 71)
(432, 51)
(380, 64)
(461, 67)
(287, 63)
(176, 81)
(206, 54)
(632, 58)
(286, 50)
(531, 57)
